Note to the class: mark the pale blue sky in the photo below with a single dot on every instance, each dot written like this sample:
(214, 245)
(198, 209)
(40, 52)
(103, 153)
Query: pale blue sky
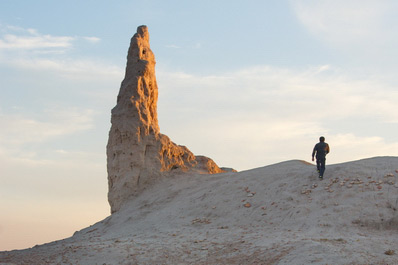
(247, 83)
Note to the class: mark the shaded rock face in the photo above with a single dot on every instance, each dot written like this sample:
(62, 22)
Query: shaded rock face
(137, 153)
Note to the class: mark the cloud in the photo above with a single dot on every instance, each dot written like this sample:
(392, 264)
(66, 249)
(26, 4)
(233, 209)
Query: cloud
(73, 68)
(316, 93)
(19, 130)
(264, 114)
(16, 42)
(349, 146)
(342, 23)
(17, 38)
(29, 50)
(92, 39)
(30, 39)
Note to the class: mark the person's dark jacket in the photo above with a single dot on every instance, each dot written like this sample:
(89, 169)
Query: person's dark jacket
(321, 149)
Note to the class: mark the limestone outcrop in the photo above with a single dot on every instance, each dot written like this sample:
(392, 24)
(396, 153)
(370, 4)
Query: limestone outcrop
(137, 153)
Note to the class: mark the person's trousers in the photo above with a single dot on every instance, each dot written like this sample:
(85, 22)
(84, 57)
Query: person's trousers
(320, 165)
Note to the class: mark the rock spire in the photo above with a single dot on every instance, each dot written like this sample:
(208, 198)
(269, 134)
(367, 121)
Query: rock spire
(137, 153)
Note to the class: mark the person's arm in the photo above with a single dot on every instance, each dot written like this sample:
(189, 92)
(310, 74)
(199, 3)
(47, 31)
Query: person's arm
(313, 152)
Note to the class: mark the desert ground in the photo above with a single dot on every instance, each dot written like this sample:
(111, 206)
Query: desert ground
(278, 214)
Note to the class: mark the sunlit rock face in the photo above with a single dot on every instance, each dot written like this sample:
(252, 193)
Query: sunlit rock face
(137, 153)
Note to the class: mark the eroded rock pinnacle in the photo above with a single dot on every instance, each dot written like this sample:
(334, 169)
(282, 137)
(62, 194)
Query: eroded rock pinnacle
(137, 153)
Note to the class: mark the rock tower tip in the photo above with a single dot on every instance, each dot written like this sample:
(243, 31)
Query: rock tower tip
(143, 29)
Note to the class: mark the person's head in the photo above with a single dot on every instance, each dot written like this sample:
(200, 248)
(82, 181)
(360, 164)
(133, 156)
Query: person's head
(321, 139)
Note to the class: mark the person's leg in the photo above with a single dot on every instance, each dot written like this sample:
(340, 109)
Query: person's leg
(318, 164)
(322, 166)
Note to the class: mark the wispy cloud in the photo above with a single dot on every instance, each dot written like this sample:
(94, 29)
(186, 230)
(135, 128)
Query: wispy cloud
(342, 23)
(28, 49)
(17, 38)
(92, 39)
(19, 130)
(30, 39)
(294, 93)
(74, 68)
(272, 114)
(350, 146)
(34, 42)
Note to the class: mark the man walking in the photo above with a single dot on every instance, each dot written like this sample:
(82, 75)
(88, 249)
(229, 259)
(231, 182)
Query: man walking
(321, 149)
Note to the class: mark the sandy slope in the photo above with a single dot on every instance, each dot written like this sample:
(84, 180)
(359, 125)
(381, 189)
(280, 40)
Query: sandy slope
(279, 214)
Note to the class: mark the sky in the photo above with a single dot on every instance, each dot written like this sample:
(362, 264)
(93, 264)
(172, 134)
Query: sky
(247, 83)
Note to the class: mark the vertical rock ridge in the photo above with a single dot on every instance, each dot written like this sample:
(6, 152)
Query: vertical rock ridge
(137, 153)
